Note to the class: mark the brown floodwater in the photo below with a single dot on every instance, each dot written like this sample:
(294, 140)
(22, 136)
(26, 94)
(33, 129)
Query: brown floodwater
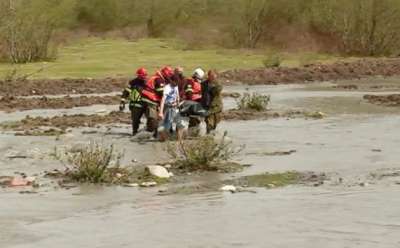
(353, 141)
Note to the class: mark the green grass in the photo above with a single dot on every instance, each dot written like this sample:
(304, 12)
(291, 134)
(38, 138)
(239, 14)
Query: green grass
(97, 58)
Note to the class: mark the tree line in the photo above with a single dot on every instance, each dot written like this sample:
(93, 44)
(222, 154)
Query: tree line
(355, 27)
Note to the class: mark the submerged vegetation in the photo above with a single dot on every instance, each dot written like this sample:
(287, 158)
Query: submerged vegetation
(254, 101)
(269, 180)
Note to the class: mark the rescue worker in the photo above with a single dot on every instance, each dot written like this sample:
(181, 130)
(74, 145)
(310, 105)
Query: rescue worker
(151, 96)
(180, 80)
(193, 93)
(211, 100)
(193, 86)
(133, 95)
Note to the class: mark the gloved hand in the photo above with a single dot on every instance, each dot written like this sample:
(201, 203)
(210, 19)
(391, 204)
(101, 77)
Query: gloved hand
(122, 106)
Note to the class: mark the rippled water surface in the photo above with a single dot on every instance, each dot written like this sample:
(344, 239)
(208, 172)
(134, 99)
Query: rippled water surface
(344, 143)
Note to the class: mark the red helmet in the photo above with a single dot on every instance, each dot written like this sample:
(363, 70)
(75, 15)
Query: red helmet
(141, 73)
(167, 71)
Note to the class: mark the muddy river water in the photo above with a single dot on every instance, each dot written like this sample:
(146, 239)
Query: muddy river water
(353, 141)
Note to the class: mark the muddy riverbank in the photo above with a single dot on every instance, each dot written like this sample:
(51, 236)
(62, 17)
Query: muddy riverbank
(11, 104)
(392, 100)
(64, 122)
(282, 75)
(315, 72)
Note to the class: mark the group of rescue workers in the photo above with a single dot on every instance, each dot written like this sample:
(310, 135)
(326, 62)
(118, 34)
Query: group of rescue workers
(169, 98)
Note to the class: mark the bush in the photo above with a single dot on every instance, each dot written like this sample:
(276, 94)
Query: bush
(273, 60)
(27, 28)
(204, 153)
(93, 164)
(254, 101)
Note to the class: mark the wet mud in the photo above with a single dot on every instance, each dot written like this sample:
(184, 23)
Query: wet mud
(273, 76)
(67, 86)
(392, 100)
(68, 121)
(11, 104)
(315, 72)
(40, 125)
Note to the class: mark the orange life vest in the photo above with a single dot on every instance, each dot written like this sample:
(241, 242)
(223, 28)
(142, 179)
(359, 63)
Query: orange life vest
(150, 91)
(194, 87)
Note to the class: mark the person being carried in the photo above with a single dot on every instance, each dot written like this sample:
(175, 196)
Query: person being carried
(168, 109)
(133, 95)
(152, 94)
(211, 100)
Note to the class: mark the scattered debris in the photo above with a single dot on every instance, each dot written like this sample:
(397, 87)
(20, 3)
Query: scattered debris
(277, 153)
(148, 184)
(5, 180)
(18, 181)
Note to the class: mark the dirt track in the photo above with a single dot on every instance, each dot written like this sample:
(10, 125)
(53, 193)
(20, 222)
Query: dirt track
(318, 72)
(10, 104)
(386, 100)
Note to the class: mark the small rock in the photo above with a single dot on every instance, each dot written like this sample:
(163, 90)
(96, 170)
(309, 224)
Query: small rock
(118, 175)
(171, 174)
(364, 184)
(131, 185)
(148, 184)
(30, 179)
(168, 166)
(271, 185)
(158, 171)
(229, 188)
(101, 111)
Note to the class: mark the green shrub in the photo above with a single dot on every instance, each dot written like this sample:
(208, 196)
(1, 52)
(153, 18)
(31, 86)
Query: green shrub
(93, 164)
(254, 101)
(204, 153)
(273, 60)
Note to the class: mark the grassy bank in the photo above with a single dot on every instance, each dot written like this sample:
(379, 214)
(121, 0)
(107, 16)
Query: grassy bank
(99, 58)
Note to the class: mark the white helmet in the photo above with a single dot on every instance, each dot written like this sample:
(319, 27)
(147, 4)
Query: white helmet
(198, 73)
